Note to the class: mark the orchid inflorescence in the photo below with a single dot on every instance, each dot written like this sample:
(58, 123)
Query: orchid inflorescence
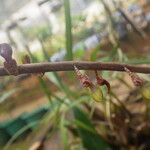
(11, 67)
(95, 89)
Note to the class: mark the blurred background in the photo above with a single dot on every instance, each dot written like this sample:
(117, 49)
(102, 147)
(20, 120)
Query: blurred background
(54, 112)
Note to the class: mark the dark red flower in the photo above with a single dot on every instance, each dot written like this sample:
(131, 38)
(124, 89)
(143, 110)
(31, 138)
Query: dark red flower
(137, 81)
(101, 81)
(84, 79)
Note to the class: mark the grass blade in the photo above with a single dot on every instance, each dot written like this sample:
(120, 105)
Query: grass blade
(87, 132)
(64, 135)
(45, 88)
(68, 29)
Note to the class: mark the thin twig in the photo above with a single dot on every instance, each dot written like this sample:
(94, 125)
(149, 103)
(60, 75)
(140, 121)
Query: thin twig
(69, 66)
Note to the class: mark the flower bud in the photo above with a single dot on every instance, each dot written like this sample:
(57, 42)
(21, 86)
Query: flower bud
(6, 51)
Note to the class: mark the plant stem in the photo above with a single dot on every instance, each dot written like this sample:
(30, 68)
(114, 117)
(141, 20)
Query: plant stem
(81, 65)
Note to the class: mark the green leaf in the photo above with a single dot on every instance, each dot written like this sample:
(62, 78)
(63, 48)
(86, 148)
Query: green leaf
(68, 30)
(79, 53)
(45, 88)
(18, 133)
(94, 54)
(64, 135)
(87, 132)
(138, 61)
(43, 83)
(54, 77)
(77, 102)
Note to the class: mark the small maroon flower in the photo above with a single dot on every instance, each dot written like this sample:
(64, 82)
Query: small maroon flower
(84, 79)
(101, 81)
(137, 81)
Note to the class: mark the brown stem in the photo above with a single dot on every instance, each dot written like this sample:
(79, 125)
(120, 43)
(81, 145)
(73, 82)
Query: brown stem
(69, 66)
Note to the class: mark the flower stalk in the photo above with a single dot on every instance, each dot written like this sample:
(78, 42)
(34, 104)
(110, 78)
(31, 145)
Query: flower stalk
(69, 66)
